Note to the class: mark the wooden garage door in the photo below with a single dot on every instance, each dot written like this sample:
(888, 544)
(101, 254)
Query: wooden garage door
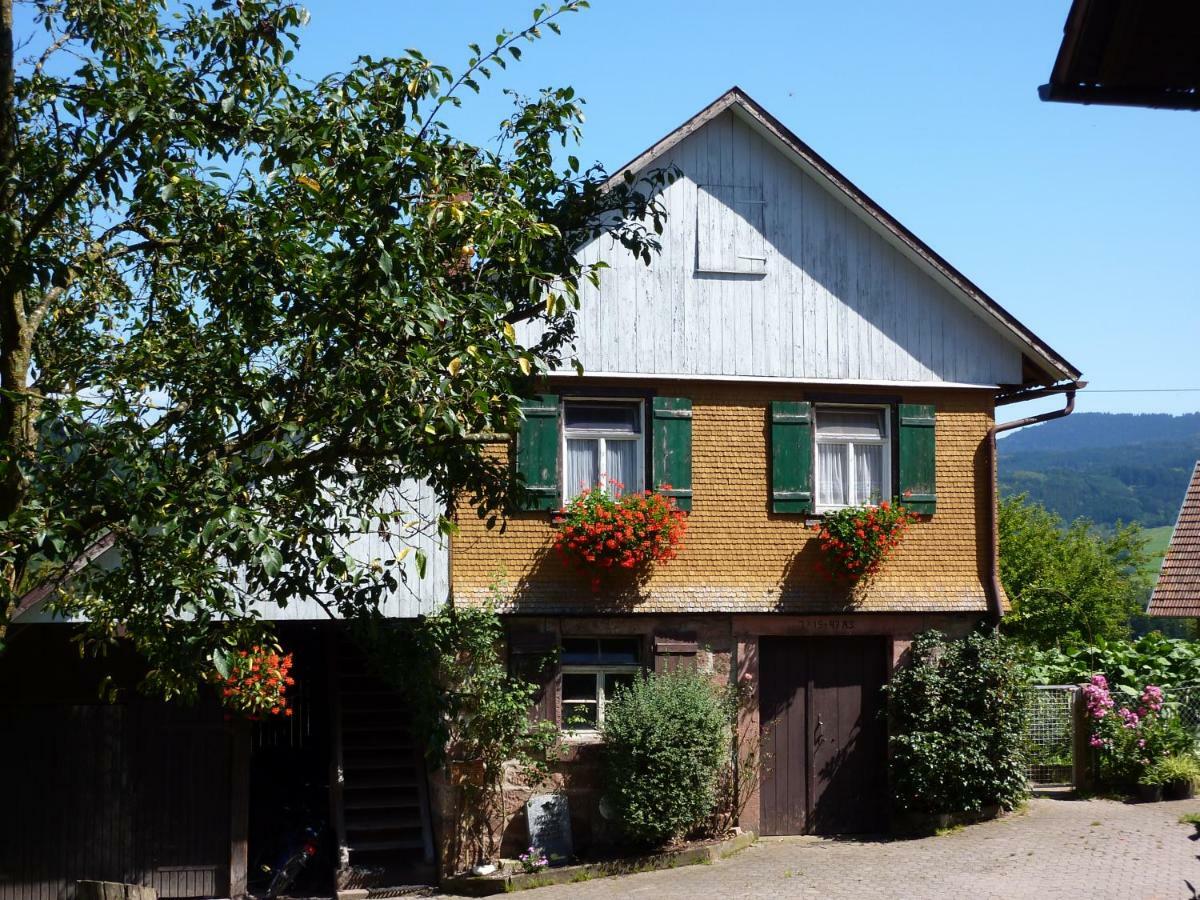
(823, 735)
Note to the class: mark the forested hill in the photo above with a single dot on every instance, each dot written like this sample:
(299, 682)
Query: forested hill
(1104, 466)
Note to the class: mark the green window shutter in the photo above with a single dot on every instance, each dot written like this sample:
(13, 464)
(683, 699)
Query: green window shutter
(672, 448)
(791, 456)
(918, 457)
(537, 452)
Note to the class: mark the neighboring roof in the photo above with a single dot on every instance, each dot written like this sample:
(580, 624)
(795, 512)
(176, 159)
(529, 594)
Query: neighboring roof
(1129, 53)
(1052, 365)
(1178, 590)
(34, 599)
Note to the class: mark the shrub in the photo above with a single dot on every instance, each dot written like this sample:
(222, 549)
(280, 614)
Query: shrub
(1131, 738)
(1176, 767)
(1126, 665)
(958, 712)
(665, 739)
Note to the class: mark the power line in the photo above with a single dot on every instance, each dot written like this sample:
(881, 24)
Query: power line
(1195, 390)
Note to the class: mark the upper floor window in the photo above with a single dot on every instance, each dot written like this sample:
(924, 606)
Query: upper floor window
(853, 456)
(602, 446)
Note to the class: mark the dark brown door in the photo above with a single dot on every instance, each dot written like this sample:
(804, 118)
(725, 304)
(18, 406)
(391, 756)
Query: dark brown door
(823, 735)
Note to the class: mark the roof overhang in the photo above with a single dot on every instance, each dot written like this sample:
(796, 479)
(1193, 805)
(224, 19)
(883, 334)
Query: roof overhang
(1043, 364)
(1129, 53)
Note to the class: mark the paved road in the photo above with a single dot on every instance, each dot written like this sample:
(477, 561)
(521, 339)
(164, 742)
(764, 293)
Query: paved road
(1092, 850)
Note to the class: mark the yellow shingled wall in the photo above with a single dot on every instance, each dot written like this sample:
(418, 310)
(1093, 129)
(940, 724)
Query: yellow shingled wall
(737, 555)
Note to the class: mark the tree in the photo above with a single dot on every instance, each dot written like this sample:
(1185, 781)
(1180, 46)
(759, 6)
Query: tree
(1069, 583)
(238, 309)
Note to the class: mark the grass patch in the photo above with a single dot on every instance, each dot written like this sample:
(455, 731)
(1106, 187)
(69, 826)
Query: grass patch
(1190, 819)
(950, 829)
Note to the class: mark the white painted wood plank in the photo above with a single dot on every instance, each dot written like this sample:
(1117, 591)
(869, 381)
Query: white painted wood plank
(837, 301)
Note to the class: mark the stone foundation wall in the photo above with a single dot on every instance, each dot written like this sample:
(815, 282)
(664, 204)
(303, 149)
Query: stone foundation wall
(726, 648)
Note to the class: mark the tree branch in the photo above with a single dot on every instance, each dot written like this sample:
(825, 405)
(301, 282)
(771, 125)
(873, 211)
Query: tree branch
(68, 190)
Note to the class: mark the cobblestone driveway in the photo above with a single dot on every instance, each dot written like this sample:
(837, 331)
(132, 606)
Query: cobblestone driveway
(1054, 849)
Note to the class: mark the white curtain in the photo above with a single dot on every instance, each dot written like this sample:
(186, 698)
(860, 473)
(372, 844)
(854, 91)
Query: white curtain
(621, 466)
(868, 473)
(831, 474)
(583, 465)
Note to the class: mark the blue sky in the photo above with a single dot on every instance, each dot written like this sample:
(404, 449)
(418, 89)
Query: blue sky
(1082, 221)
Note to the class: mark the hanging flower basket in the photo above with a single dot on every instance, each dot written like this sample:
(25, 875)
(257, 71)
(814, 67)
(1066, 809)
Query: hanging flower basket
(856, 541)
(254, 682)
(599, 531)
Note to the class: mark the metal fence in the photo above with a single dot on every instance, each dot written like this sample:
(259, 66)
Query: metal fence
(1186, 700)
(1049, 734)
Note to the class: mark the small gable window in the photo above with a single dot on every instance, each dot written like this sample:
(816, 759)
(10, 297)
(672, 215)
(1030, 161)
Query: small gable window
(853, 456)
(602, 446)
(729, 230)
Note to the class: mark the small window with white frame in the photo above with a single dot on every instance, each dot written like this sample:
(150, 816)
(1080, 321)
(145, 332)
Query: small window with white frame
(592, 671)
(852, 462)
(602, 446)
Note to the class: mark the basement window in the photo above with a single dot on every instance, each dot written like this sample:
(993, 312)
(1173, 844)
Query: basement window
(592, 671)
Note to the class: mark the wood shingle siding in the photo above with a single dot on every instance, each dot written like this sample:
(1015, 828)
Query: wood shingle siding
(739, 555)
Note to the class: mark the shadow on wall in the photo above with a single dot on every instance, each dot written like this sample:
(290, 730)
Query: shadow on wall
(551, 582)
(801, 587)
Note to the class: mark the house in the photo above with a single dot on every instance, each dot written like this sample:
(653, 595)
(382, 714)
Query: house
(793, 350)
(1177, 591)
(1128, 53)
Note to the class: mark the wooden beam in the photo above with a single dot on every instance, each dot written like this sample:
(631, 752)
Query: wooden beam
(239, 825)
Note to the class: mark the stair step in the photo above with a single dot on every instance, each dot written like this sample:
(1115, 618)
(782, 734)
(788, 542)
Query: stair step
(367, 803)
(375, 781)
(368, 846)
(383, 830)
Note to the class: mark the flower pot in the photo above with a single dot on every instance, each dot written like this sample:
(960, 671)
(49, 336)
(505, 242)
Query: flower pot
(1182, 789)
(1149, 793)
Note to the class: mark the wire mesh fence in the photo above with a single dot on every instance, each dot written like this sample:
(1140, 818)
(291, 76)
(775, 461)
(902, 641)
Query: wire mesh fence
(1185, 699)
(1049, 734)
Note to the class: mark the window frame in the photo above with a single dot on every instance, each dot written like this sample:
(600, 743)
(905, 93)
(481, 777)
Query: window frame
(599, 672)
(639, 405)
(886, 442)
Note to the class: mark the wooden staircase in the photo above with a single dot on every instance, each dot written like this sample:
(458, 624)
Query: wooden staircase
(381, 797)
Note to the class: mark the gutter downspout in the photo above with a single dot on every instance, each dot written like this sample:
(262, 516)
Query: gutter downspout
(992, 585)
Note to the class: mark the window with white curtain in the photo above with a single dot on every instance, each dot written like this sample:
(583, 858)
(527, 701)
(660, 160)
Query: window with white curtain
(602, 446)
(853, 460)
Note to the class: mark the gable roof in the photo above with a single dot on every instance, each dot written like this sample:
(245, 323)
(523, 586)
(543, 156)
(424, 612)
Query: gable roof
(1049, 364)
(1178, 590)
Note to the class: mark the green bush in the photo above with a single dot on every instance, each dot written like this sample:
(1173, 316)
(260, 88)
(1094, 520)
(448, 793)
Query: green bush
(1127, 665)
(958, 719)
(1173, 768)
(665, 740)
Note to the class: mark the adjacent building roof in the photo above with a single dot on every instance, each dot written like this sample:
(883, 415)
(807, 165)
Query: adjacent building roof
(1129, 53)
(1178, 590)
(1043, 365)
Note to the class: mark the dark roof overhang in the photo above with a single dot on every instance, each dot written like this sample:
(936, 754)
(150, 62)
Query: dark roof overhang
(1129, 53)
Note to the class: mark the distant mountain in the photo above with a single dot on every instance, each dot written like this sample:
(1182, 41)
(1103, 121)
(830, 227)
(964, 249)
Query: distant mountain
(1104, 430)
(1107, 467)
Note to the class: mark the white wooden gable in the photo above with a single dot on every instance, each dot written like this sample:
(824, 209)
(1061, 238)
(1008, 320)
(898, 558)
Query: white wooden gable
(770, 270)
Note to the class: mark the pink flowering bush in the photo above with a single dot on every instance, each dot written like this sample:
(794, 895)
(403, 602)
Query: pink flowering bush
(1130, 738)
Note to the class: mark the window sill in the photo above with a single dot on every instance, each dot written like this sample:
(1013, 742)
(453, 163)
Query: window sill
(582, 738)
